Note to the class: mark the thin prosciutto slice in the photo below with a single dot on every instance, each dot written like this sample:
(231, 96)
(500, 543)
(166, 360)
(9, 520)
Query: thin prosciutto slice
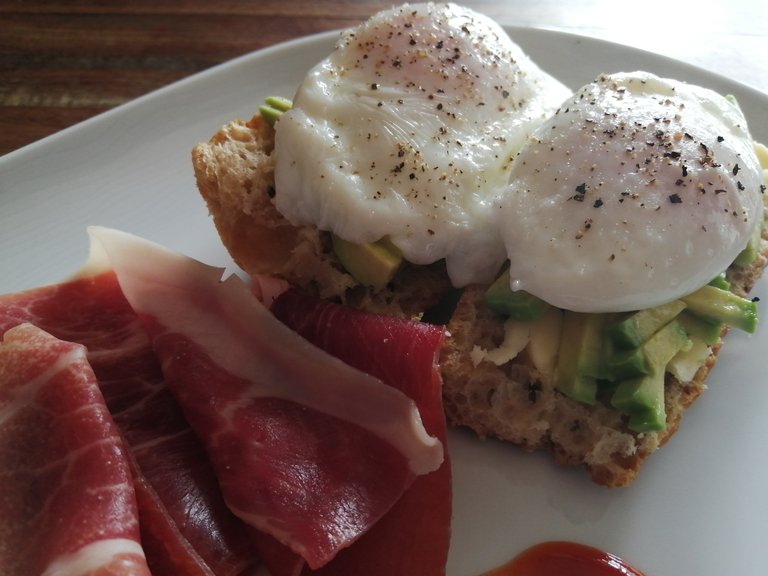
(305, 447)
(414, 536)
(187, 530)
(67, 504)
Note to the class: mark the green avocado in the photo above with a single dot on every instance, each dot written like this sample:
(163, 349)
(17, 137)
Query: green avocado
(515, 304)
(626, 364)
(643, 397)
(718, 305)
(373, 264)
(720, 281)
(697, 327)
(273, 108)
(639, 326)
(750, 253)
(687, 362)
(580, 358)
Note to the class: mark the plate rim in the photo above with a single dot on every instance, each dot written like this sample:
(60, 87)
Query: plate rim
(40, 147)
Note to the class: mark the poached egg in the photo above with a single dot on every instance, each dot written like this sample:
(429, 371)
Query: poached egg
(407, 130)
(637, 191)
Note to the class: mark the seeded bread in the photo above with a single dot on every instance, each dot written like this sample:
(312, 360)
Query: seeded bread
(514, 401)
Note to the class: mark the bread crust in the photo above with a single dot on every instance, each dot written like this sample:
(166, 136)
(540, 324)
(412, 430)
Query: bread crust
(514, 402)
(234, 172)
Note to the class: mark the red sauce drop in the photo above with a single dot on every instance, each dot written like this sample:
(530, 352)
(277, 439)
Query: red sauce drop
(565, 559)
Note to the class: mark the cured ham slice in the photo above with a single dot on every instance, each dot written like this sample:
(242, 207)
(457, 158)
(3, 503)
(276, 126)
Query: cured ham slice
(305, 447)
(67, 504)
(187, 530)
(414, 536)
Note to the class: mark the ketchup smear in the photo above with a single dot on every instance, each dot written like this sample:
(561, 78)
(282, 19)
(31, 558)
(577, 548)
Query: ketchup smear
(564, 559)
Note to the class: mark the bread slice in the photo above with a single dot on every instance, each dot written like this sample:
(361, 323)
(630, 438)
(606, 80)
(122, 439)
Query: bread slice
(234, 171)
(516, 401)
(513, 400)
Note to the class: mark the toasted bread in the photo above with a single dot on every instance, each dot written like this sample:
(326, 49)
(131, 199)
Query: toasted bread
(235, 176)
(515, 401)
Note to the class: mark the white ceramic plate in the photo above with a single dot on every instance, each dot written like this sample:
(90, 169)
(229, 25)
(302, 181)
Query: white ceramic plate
(700, 505)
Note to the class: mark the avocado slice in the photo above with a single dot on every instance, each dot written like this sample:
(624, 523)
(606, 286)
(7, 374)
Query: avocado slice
(580, 359)
(651, 420)
(515, 304)
(273, 108)
(372, 264)
(643, 397)
(718, 305)
(720, 281)
(697, 327)
(545, 339)
(761, 151)
(686, 363)
(751, 252)
(639, 326)
(626, 364)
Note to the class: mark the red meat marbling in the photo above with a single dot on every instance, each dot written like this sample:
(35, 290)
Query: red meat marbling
(187, 530)
(306, 448)
(67, 502)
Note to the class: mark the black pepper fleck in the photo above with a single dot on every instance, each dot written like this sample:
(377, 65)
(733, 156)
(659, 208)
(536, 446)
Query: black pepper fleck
(581, 191)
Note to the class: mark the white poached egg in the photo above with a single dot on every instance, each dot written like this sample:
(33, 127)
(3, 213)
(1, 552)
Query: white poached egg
(408, 130)
(638, 190)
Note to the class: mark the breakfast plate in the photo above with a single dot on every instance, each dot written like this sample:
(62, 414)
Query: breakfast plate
(699, 505)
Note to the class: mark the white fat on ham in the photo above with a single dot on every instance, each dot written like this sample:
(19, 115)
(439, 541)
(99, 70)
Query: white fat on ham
(89, 559)
(23, 396)
(67, 502)
(197, 303)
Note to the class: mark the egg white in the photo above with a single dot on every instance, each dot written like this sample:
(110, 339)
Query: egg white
(407, 130)
(637, 191)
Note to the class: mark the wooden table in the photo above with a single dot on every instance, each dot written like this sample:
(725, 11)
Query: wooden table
(64, 61)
